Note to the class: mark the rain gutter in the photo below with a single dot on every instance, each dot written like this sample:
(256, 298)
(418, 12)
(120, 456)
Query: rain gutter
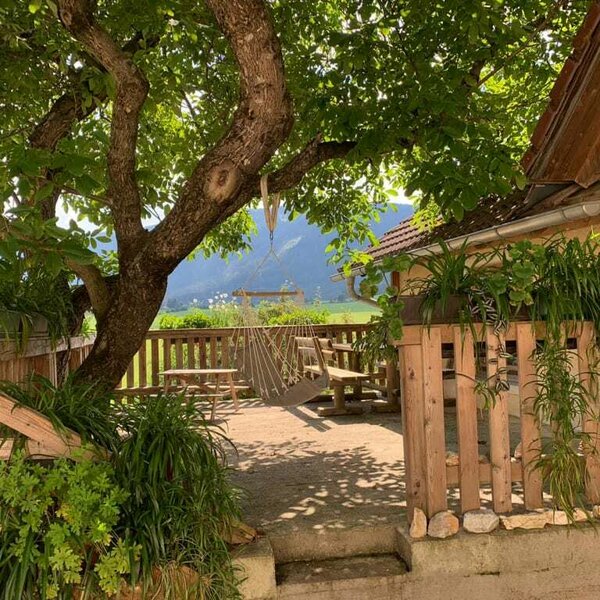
(505, 231)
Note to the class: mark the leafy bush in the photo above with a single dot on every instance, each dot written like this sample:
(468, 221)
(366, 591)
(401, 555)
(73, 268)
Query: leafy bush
(196, 320)
(58, 525)
(175, 501)
(170, 322)
(31, 296)
(300, 316)
(76, 406)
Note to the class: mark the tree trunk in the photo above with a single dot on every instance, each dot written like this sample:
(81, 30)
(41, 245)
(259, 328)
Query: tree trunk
(122, 331)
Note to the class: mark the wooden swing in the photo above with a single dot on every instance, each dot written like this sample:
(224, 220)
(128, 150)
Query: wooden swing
(268, 357)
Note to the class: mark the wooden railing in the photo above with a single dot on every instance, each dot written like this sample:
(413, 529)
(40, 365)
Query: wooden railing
(41, 357)
(211, 348)
(428, 472)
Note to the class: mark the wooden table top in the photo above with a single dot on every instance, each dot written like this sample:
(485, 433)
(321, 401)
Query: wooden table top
(184, 372)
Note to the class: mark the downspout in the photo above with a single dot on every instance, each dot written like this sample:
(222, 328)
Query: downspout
(350, 282)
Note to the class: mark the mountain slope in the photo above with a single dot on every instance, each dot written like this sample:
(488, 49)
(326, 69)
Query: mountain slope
(300, 247)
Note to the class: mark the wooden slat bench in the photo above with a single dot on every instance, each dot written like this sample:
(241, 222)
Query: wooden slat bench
(320, 349)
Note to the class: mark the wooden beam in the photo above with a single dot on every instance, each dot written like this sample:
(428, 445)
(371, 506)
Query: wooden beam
(466, 419)
(435, 439)
(531, 437)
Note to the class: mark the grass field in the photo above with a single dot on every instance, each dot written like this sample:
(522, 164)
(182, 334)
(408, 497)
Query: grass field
(339, 312)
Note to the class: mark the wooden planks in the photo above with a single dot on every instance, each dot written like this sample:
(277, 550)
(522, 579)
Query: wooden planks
(587, 352)
(531, 437)
(142, 367)
(433, 408)
(466, 417)
(38, 428)
(498, 424)
(411, 377)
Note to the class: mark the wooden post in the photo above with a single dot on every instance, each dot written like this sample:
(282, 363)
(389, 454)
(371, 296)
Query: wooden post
(435, 439)
(586, 348)
(154, 362)
(392, 381)
(142, 365)
(531, 438)
(466, 420)
(498, 423)
(411, 381)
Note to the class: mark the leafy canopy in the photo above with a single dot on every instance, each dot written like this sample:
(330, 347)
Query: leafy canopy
(440, 97)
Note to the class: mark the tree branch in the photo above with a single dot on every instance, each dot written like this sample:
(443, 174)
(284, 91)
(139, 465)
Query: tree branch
(66, 111)
(77, 17)
(261, 123)
(95, 284)
(316, 152)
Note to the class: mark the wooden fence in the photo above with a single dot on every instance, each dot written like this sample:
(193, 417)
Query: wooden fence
(212, 348)
(42, 358)
(428, 472)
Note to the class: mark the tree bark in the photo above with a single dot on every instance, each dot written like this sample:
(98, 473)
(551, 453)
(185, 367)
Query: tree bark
(120, 334)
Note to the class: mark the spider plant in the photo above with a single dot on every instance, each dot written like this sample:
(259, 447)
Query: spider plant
(471, 281)
(563, 401)
(173, 465)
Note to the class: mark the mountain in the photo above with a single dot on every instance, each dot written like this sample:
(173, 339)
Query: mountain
(300, 247)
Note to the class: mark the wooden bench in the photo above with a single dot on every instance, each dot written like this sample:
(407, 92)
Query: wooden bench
(321, 351)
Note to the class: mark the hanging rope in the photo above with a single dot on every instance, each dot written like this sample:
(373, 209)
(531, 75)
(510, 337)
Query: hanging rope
(271, 206)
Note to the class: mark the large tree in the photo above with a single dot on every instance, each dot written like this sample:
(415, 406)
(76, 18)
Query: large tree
(122, 111)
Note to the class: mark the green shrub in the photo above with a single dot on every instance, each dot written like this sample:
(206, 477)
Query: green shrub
(175, 501)
(83, 408)
(300, 316)
(195, 320)
(58, 524)
(170, 322)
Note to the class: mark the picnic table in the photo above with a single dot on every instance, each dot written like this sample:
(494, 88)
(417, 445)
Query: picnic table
(211, 383)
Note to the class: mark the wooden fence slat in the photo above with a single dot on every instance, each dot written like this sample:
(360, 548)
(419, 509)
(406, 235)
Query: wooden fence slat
(466, 420)
(143, 382)
(435, 440)
(202, 351)
(191, 358)
(411, 377)
(130, 376)
(179, 353)
(166, 353)
(531, 437)
(499, 425)
(213, 353)
(586, 349)
(154, 362)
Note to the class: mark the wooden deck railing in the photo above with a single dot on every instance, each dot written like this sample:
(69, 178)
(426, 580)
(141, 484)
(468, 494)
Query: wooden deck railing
(42, 358)
(211, 348)
(428, 473)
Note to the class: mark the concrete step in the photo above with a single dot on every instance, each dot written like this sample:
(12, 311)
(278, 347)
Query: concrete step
(356, 578)
(329, 543)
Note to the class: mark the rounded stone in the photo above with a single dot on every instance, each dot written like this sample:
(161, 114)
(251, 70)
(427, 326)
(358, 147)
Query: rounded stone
(418, 527)
(443, 524)
(483, 520)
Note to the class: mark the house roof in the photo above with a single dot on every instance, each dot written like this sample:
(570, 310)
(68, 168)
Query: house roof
(565, 145)
(406, 236)
(565, 149)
